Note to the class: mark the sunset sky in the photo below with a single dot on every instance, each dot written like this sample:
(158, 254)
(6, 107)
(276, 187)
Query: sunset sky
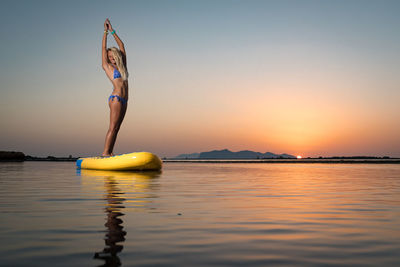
(310, 78)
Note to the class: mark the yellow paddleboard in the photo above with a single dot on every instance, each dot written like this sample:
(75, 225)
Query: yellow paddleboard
(138, 161)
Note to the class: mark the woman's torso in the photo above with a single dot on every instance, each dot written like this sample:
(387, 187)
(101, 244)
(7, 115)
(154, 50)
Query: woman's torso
(120, 87)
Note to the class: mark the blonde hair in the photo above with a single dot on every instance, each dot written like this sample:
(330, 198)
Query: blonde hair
(117, 55)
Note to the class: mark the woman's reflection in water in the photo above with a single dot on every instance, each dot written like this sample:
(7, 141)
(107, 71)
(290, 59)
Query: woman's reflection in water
(115, 232)
(113, 182)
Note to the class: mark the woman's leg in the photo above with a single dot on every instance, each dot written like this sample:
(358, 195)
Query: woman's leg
(117, 113)
(122, 115)
(120, 119)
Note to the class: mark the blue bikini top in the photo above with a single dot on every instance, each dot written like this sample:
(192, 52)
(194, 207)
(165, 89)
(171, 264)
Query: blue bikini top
(117, 74)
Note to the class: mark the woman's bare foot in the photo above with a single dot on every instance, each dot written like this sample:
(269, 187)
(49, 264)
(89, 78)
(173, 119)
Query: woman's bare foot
(108, 155)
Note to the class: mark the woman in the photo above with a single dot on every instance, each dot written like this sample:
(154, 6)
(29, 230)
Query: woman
(114, 65)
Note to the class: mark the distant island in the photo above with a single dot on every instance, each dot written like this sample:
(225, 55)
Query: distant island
(11, 156)
(227, 154)
(247, 156)
(20, 156)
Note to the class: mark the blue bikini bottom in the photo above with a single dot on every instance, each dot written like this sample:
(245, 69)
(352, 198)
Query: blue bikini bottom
(120, 99)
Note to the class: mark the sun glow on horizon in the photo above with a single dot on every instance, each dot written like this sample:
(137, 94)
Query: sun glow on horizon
(299, 157)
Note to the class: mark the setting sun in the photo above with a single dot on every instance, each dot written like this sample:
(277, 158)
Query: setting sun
(299, 157)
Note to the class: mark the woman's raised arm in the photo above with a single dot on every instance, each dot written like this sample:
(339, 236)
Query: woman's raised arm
(119, 42)
(104, 62)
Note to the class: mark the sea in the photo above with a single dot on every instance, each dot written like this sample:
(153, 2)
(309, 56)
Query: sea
(200, 214)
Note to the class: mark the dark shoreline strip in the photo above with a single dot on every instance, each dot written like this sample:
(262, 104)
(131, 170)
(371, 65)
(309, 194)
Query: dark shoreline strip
(363, 161)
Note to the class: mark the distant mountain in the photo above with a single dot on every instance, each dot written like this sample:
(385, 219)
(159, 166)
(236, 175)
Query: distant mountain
(188, 156)
(287, 156)
(227, 154)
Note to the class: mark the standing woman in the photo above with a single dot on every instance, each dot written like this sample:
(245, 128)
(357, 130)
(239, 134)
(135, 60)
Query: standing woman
(114, 65)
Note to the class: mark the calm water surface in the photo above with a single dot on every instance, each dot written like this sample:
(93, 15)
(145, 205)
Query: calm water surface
(199, 214)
